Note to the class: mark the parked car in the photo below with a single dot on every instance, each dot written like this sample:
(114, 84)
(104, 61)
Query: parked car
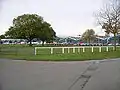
(110, 44)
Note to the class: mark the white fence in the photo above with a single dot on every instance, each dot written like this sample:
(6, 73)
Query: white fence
(73, 49)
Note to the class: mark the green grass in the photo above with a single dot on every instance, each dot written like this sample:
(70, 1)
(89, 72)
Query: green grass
(27, 53)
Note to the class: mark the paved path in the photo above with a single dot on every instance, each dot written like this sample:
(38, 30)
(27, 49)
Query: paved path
(29, 75)
(106, 77)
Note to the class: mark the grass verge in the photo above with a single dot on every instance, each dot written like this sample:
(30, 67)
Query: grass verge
(27, 53)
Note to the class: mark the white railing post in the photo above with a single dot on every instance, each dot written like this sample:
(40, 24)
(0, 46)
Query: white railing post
(107, 49)
(83, 49)
(51, 50)
(113, 48)
(99, 49)
(92, 49)
(78, 49)
(73, 49)
(35, 50)
(68, 50)
(63, 50)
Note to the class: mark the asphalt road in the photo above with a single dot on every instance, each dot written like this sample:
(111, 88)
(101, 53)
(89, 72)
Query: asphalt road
(88, 75)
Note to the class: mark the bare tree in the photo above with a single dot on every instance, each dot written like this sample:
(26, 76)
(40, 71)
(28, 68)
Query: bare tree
(109, 18)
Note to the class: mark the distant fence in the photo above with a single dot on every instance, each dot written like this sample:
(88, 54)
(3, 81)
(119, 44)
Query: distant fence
(26, 50)
(74, 49)
(16, 50)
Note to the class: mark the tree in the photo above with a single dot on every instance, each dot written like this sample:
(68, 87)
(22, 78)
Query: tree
(109, 18)
(88, 36)
(2, 36)
(30, 26)
(47, 33)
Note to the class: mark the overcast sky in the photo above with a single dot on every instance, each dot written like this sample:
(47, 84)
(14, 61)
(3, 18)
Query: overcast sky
(67, 17)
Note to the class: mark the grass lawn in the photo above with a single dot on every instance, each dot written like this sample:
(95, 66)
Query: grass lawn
(27, 53)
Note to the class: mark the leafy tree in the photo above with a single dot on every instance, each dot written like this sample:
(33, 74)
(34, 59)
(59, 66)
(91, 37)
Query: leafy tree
(88, 36)
(47, 33)
(109, 18)
(2, 36)
(30, 26)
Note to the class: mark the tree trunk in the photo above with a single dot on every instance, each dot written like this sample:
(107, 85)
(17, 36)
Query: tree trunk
(43, 43)
(30, 42)
(114, 41)
(89, 41)
(119, 40)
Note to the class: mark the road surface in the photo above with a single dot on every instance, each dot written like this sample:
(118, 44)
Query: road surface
(84, 75)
